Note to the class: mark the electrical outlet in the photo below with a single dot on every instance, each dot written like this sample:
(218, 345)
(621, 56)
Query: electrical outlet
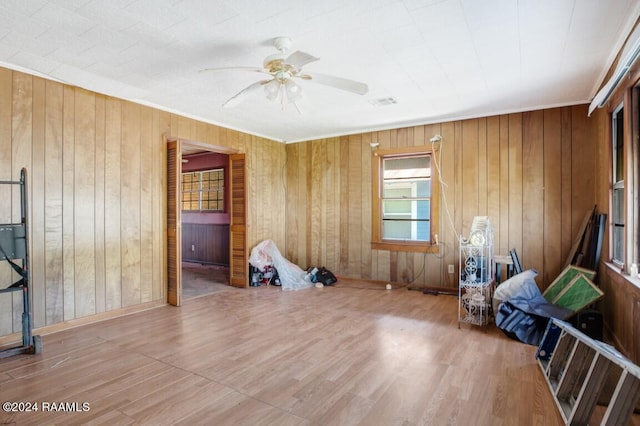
(452, 269)
(193, 247)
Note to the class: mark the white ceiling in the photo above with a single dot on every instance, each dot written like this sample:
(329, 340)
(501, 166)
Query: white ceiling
(439, 59)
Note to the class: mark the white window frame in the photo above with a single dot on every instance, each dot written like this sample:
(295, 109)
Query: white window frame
(617, 186)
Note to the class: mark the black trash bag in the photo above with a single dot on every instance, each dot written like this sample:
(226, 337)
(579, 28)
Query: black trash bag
(325, 276)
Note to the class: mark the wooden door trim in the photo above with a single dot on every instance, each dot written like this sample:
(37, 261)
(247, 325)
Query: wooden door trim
(238, 250)
(174, 223)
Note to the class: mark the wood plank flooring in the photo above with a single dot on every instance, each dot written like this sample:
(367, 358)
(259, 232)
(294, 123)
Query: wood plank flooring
(262, 356)
(199, 280)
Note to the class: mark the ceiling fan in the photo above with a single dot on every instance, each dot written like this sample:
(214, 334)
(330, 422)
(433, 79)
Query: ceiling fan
(283, 70)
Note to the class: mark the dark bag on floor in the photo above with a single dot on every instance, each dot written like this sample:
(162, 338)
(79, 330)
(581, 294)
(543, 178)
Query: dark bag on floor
(325, 276)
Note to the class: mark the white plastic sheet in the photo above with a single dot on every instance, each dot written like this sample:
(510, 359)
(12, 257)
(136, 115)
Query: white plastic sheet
(512, 287)
(291, 275)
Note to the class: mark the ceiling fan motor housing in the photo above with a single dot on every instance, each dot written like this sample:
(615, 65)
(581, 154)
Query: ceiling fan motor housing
(282, 43)
(275, 64)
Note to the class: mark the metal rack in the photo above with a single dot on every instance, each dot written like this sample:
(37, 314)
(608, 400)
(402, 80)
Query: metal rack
(14, 245)
(475, 288)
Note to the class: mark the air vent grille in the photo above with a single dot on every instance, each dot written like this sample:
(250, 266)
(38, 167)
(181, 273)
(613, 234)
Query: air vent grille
(389, 100)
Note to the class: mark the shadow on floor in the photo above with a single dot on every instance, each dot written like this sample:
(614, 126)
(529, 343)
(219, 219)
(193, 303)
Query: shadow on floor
(199, 280)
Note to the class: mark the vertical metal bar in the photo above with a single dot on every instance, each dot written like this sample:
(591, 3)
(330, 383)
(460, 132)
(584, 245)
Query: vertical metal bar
(26, 302)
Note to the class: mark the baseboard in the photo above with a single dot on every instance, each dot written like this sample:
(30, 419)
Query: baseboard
(394, 284)
(14, 338)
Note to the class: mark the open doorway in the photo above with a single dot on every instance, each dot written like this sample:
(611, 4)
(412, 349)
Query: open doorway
(205, 219)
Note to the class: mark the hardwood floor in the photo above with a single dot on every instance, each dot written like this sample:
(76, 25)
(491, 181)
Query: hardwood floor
(263, 356)
(199, 280)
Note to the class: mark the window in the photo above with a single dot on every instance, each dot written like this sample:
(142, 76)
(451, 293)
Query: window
(404, 201)
(617, 192)
(203, 190)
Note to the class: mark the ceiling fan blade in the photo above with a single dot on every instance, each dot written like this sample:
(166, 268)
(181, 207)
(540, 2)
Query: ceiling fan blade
(247, 68)
(241, 95)
(337, 82)
(299, 59)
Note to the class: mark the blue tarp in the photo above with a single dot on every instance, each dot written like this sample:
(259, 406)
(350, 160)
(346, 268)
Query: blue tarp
(524, 316)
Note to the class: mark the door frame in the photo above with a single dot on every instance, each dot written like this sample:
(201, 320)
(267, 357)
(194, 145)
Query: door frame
(173, 232)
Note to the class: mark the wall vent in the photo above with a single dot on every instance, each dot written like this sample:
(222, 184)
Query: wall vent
(389, 100)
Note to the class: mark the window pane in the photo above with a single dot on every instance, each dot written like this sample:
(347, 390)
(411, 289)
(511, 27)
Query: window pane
(407, 167)
(406, 188)
(406, 209)
(395, 208)
(203, 190)
(618, 145)
(424, 188)
(618, 206)
(406, 220)
(618, 240)
(407, 230)
(396, 230)
(618, 224)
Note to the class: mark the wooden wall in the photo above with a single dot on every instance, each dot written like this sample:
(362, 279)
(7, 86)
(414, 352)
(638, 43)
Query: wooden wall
(621, 303)
(96, 190)
(97, 194)
(532, 173)
(206, 243)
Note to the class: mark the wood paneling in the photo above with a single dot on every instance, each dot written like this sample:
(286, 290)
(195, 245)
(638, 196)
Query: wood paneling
(533, 200)
(68, 203)
(96, 194)
(6, 173)
(130, 193)
(552, 227)
(621, 309)
(84, 205)
(112, 248)
(100, 273)
(510, 167)
(53, 203)
(22, 149)
(36, 183)
(205, 243)
(146, 204)
(621, 303)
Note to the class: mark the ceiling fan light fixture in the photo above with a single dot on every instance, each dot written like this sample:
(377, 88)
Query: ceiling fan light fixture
(283, 69)
(272, 89)
(294, 92)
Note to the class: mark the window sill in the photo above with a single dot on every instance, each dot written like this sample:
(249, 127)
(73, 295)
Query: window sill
(410, 247)
(614, 270)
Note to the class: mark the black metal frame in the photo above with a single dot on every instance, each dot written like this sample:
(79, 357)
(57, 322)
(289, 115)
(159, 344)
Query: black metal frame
(517, 266)
(16, 247)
